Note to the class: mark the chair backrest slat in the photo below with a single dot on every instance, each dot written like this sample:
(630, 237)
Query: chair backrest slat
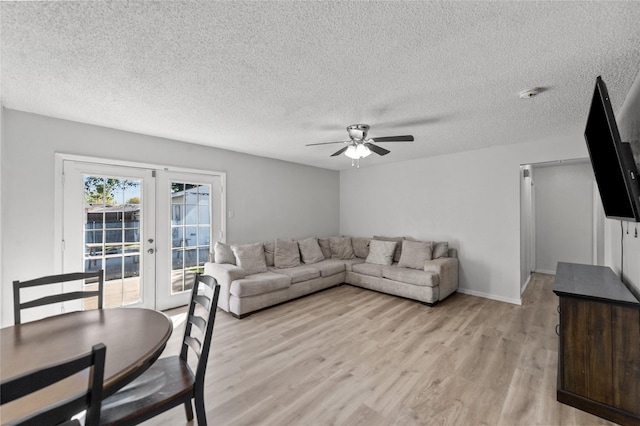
(52, 279)
(203, 300)
(199, 322)
(194, 344)
(57, 298)
(18, 306)
(201, 348)
(20, 386)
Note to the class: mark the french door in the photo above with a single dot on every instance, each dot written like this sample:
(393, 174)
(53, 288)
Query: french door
(149, 229)
(109, 224)
(189, 218)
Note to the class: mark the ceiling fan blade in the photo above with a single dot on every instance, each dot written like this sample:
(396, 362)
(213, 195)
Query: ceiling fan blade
(324, 143)
(404, 138)
(377, 149)
(340, 151)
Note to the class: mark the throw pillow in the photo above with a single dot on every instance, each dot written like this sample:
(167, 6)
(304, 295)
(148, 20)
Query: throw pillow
(360, 246)
(414, 254)
(398, 252)
(222, 253)
(381, 252)
(325, 247)
(250, 257)
(441, 249)
(269, 252)
(341, 248)
(310, 250)
(287, 254)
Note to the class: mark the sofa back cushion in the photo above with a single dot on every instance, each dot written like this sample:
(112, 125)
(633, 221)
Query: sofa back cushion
(360, 246)
(415, 253)
(325, 247)
(310, 251)
(287, 254)
(398, 240)
(222, 253)
(341, 248)
(269, 252)
(381, 252)
(440, 249)
(250, 257)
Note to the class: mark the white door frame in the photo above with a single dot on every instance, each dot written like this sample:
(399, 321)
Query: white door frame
(58, 214)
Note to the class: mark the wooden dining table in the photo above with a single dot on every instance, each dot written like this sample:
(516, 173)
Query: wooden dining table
(134, 338)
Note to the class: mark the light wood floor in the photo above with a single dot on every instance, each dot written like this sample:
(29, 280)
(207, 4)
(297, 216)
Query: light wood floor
(349, 356)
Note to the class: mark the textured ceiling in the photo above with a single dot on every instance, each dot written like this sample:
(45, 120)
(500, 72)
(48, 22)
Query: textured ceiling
(266, 78)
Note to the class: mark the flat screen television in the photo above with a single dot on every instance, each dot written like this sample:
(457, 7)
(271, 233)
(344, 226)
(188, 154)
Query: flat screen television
(612, 160)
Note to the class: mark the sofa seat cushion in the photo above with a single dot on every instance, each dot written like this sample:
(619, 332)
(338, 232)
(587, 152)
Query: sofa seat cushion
(299, 273)
(371, 269)
(348, 263)
(261, 283)
(330, 267)
(410, 276)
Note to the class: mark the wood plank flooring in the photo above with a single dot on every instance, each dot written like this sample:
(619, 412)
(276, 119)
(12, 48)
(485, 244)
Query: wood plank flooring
(349, 356)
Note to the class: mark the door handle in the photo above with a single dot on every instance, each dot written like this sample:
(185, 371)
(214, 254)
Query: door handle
(151, 251)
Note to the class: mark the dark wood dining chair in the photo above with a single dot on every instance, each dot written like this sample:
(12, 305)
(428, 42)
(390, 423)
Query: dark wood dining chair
(61, 412)
(18, 305)
(170, 382)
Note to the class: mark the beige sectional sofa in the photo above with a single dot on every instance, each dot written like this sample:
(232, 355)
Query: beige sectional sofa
(259, 275)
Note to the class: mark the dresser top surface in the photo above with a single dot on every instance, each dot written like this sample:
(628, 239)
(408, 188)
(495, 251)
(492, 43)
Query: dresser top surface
(593, 282)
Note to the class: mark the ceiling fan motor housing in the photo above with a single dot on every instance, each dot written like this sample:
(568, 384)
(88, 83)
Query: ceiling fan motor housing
(358, 132)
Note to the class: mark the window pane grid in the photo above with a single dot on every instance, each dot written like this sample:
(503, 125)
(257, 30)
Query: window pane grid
(112, 233)
(190, 232)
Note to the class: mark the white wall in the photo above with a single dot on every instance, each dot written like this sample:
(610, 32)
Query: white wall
(564, 214)
(613, 251)
(471, 199)
(527, 225)
(628, 119)
(270, 198)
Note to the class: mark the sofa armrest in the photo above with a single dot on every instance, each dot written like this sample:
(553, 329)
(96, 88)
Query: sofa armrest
(224, 274)
(447, 270)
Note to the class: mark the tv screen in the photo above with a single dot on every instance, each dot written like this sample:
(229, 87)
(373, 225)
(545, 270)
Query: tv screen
(612, 160)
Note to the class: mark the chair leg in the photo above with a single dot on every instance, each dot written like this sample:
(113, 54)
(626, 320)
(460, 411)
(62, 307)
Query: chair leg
(188, 410)
(200, 413)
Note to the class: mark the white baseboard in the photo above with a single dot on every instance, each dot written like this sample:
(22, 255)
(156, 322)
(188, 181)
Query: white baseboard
(490, 296)
(545, 271)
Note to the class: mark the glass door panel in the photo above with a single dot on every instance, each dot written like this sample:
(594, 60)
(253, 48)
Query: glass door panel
(188, 211)
(112, 236)
(113, 207)
(193, 228)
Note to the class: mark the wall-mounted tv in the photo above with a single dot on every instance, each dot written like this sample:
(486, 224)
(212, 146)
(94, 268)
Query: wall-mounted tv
(613, 164)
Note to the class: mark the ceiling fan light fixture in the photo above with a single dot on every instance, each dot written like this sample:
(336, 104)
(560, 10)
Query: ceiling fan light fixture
(363, 151)
(357, 151)
(352, 152)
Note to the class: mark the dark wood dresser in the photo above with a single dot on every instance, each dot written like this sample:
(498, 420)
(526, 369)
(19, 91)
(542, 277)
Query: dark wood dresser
(599, 351)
